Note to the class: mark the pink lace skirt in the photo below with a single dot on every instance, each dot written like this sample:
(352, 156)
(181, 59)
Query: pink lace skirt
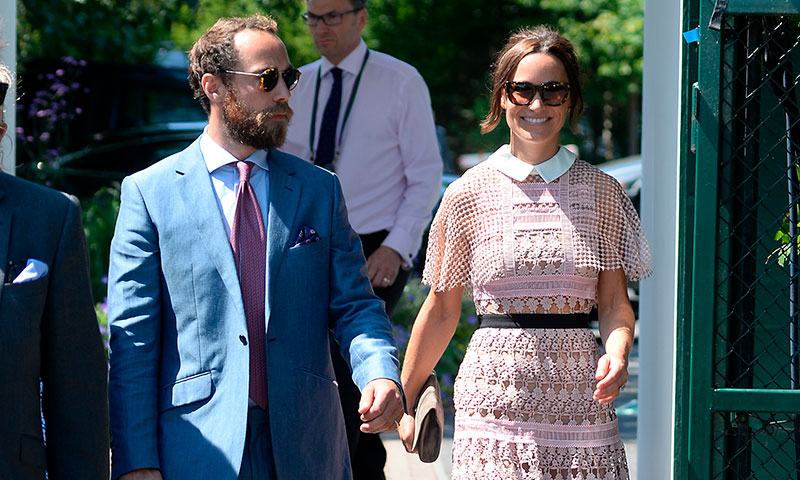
(524, 409)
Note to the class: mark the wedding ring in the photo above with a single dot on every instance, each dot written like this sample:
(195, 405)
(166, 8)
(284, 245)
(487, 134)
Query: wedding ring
(386, 281)
(396, 424)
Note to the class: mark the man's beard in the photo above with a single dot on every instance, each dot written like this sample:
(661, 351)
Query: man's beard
(255, 128)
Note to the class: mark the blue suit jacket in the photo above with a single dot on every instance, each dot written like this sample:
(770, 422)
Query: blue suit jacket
(179, 364)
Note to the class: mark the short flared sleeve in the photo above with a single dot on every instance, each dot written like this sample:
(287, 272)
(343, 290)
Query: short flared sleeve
(447, 259)
(622, 239)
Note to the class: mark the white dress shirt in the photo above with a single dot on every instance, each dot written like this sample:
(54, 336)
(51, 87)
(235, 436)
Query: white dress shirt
(225, 182)
(389, 165)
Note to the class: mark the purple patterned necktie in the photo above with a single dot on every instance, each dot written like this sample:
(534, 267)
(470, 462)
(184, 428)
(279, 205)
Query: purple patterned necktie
(248, 239)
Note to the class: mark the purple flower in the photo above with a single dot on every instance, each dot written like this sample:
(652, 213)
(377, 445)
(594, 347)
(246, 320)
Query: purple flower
(104, 279)
(20, 131)
(447, 380)
(45, 136)
(78, 110)
(104, 306)
(471, 319)
(60, 72)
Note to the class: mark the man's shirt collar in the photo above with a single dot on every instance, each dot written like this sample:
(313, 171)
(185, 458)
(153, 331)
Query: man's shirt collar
(351, 63)
(549, 170)
(215, 156)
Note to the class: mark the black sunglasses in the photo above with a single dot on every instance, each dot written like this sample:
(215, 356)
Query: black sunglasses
(553, 94)
(3, 90)
(269, 77)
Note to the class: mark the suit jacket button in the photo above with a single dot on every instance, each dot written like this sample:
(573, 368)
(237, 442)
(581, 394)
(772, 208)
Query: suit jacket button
(243, 339)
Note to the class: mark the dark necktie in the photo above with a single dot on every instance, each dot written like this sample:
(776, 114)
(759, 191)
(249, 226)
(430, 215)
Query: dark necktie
(248, 239)
(330, 117)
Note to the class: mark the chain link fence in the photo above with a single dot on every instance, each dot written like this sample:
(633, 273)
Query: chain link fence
(756, 342)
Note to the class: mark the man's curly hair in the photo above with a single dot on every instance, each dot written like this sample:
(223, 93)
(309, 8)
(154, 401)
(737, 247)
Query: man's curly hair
(214, 52)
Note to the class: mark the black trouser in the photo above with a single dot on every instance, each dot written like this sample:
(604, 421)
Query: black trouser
(367, 454)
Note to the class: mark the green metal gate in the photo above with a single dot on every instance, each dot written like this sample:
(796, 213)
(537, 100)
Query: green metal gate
(740, 416)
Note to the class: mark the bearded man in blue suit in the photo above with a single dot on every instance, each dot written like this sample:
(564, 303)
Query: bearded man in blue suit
(187, 398)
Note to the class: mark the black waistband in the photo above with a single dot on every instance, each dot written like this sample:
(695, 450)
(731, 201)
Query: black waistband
(534, 320)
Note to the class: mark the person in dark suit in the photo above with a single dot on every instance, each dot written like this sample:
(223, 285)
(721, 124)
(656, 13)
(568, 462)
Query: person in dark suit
(230, 262)
(49, 338)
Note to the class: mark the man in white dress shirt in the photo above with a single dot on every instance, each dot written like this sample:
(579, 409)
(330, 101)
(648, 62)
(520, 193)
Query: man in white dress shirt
(378, 135)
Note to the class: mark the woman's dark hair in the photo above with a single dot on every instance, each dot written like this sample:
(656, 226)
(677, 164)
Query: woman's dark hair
(541, 39)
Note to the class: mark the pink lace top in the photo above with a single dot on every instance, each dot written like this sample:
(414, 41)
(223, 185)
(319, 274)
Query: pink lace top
(530, 246)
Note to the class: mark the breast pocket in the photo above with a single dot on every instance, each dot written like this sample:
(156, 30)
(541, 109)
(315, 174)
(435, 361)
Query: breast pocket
(29, 291)
(23, 301)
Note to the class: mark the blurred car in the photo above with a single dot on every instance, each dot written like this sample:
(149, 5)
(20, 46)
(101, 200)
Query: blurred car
(107, 120)
(628, 171)
(111, 156)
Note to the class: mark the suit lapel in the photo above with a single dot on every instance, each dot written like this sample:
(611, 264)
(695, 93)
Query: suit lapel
(284, 197)
(194, 185)
(5, 234)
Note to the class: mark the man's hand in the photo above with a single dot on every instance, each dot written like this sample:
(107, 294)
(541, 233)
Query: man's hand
(612, 374)
(381, 406)
(383, 265)
(142, 474)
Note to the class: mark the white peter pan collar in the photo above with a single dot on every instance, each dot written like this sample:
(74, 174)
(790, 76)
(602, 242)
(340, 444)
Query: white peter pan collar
(549, 170)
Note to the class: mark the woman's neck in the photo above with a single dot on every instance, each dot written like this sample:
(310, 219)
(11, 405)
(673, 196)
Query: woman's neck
(532, 153)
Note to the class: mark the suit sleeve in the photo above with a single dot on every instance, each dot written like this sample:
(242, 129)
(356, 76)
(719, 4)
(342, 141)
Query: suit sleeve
(359, 322)
(74, 368)
(134, 317)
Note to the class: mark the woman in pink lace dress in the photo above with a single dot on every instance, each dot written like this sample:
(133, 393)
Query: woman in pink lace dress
(540, 238)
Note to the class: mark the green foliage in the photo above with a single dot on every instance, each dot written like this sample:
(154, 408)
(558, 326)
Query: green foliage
(193, 19)
(608, 36)
(99, 217)
(783, 235)
(102, 322)
(403, 318)
(453, 44)
(120, 30)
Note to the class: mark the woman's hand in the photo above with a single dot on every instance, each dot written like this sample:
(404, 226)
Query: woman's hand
(406, 432)
(611, 376)
(616, 330)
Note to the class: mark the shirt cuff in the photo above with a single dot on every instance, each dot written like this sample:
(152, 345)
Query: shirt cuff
(398, 241)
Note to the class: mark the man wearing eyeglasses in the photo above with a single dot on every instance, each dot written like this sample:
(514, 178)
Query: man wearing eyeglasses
(229, 264)
(54, 366)
(367, 116)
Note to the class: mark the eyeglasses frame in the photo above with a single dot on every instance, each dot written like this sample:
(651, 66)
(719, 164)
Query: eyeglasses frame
(280, 75)
(306, 16)
(537, 90)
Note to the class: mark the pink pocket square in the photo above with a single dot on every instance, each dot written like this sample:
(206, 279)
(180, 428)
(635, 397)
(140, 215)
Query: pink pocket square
(306, 235)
